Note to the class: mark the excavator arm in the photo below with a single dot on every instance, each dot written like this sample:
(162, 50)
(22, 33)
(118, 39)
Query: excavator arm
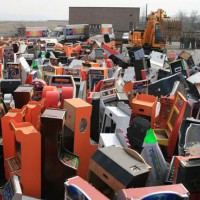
(152, 37)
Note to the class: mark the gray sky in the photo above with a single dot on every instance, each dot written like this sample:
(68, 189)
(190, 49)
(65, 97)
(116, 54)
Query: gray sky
(59, 9)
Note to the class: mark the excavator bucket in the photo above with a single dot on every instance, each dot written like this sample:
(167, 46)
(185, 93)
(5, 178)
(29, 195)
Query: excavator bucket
(171, 27)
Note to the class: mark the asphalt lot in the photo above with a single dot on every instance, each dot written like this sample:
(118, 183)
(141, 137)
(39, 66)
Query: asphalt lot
(175, 47)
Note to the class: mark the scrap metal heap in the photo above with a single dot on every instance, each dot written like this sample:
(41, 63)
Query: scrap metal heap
(91, 120)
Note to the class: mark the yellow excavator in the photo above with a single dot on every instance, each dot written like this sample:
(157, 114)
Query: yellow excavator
(152, 37)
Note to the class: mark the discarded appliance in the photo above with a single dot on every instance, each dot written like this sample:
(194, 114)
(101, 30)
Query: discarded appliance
(176, 191)
(163, 87)
(25, 69)
(77, 133)
(165, 108)
(12, 189)
(136, 133)
(193, 83)
(157, 59)
(169, 136)
(25, 158)
(78, 188)
(9, 85)
(182, 133)
(187, 57)
(140, 67)
(188, 175)
(196, 57)
(119, 138)
(22, 95)
(116, 117)
(7, 134)
(12, 71)
(95, 74)
(179, 65)
(145, 105)
(65, 162)
(48, 70)
(38, 85)
(110, 173)
(153, 156)
(192, 140)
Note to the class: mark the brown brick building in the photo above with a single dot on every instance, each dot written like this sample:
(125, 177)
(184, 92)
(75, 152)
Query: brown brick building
(122, 18)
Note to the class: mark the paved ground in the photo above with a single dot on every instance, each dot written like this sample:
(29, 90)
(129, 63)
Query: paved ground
(175, 47)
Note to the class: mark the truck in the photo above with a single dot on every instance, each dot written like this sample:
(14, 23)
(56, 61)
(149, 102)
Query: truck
(70, 33)
(152, 37)
(36, 32)
(81, 32)
(102, 29)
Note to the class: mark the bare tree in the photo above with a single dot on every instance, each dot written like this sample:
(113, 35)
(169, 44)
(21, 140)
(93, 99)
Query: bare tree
(194, 20)
(181, 15)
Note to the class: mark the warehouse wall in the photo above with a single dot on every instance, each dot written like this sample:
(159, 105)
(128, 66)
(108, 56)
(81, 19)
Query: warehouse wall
(122, 18)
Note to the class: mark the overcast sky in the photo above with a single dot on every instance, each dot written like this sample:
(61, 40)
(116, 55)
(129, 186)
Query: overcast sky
(59, 9)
